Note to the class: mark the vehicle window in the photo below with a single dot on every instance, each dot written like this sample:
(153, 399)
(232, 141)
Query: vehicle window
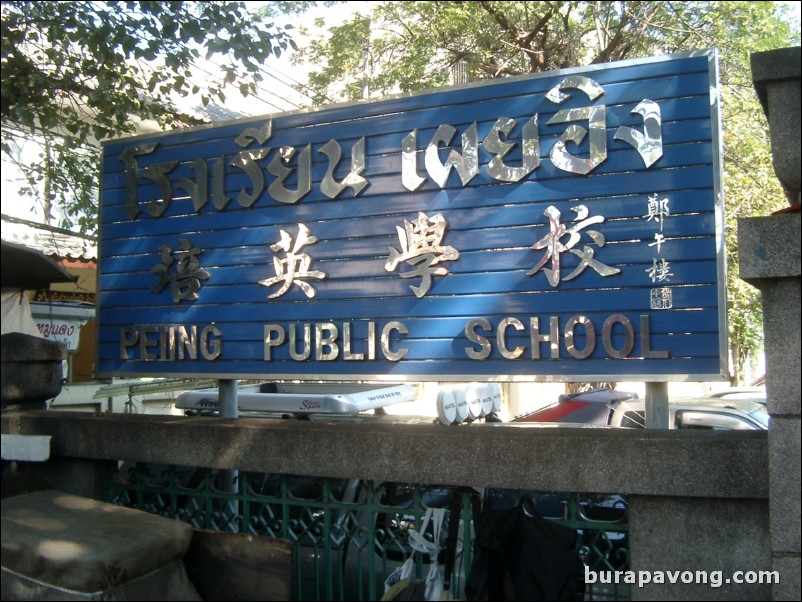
(761, 414)
(633, 420)
(713, 421)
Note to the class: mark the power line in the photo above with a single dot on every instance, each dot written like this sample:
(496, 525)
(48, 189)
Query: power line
(255, 97)
(276, 74)
(298, 87)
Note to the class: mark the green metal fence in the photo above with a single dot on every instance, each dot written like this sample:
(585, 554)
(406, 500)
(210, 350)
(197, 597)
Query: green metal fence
(349, 535)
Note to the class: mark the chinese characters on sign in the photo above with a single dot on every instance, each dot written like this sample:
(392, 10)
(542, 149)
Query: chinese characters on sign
(554, 247)
(180, 268)
(294, 268)
(660, 270)
(420, 246)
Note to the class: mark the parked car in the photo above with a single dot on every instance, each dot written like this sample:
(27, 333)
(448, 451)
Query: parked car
(720, 411)
(757, 394)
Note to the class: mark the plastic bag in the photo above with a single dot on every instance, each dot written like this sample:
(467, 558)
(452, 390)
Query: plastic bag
(401, 584)
(400, 579)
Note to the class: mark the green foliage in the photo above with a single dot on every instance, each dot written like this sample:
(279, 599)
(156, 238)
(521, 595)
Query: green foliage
(75, 73)
(407, 46)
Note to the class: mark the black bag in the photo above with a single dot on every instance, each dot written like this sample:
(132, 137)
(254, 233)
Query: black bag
(519, 555)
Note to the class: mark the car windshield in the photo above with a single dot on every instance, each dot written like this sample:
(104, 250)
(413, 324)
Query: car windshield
(761, 415)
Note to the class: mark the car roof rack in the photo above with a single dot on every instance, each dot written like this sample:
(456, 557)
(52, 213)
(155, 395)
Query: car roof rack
(299, 398)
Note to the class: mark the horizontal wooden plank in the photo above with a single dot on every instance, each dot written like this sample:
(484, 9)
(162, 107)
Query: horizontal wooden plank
(489, 304)
(495, 270)
(603, 369)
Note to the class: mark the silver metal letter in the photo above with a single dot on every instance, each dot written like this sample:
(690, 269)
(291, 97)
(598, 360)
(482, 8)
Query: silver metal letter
(278, 167)
(307, 350)
(646, 343)
(329, 341)
(247, 161)
(144, 344)
(371, 340)
(331, 187)
(484, 344)
(187, 340)
(501, 338)
(530, 148)
(129, 337)
(158, 174)
(552, 243)
(466, 164)
(649, 144)
(271, 342)
(294, 268)
(553, 337)
(167, 343)
(347, 355)
(421, 247)
(180, 268)
(391, 355)
(596, 117)
(128, 156)
(199, 188)
(607, 336)
(590, 332)
(259, 135)
(577, 82)
(211, 350)
(597, 142)
(409, 162)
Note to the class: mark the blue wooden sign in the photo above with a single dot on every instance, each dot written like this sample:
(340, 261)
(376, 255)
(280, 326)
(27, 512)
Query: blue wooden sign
(561, 226)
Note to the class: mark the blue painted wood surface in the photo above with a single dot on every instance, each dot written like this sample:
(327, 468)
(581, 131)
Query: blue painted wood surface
(493, 225)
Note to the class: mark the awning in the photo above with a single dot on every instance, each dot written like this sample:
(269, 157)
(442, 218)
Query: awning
(23, 267)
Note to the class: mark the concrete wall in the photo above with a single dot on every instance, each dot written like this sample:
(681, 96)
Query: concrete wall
(769, 253)
(699, 499)
(774, 244)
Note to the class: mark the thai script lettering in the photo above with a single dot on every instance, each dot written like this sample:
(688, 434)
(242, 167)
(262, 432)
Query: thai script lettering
(48, 330)
(284, 173)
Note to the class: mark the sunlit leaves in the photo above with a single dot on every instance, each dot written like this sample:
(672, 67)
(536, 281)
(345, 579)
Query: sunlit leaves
(75, 73)
(406, 46)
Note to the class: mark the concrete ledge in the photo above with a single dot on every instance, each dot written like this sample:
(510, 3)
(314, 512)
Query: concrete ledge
(769, 247)
(711, 464)
(26, 448)
(772, 66)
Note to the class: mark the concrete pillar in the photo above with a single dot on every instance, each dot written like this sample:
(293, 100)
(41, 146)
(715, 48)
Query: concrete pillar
(702, 544)
(769, 256)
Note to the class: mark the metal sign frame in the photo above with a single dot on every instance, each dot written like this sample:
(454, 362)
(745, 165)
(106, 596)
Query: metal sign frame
(562, 226)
